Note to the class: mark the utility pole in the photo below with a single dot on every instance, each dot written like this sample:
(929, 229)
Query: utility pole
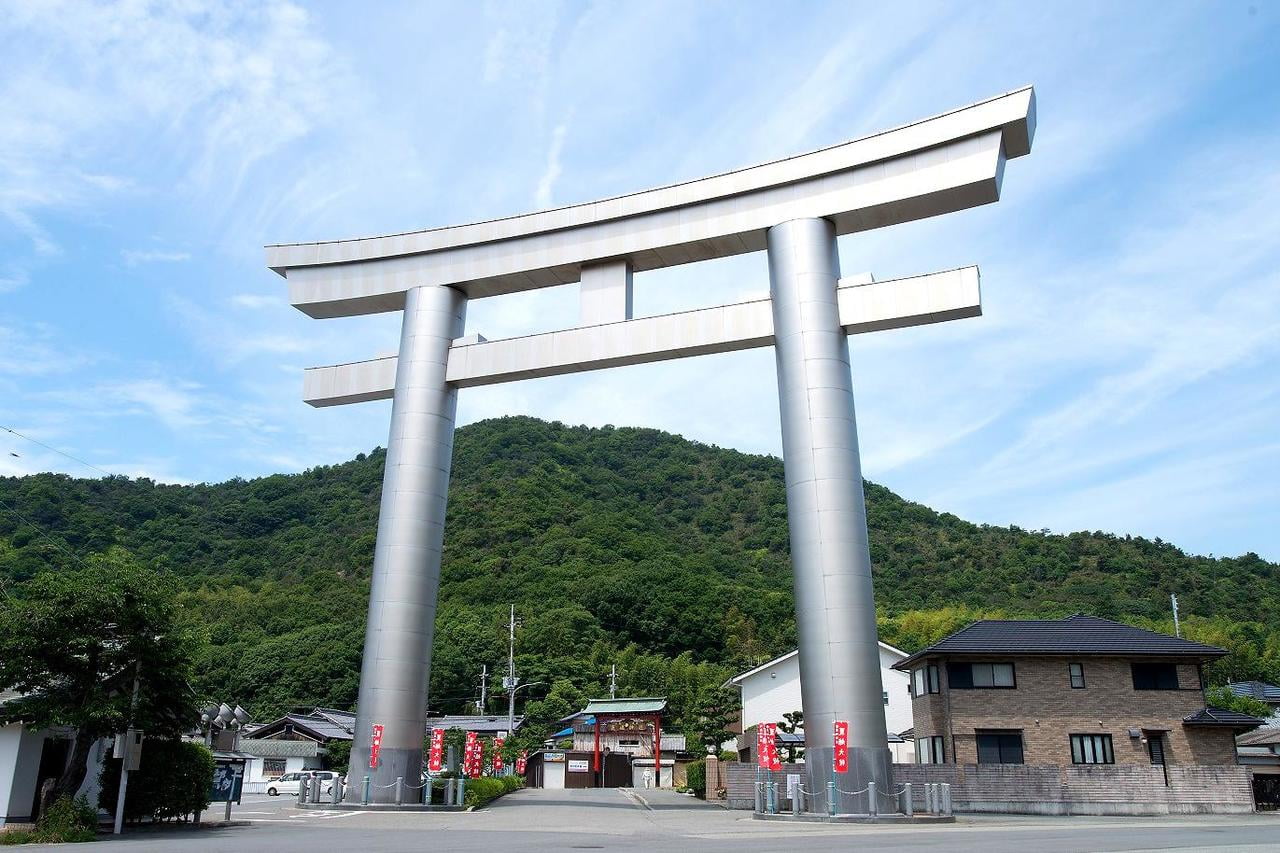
(511, 681)
(484, 688)
(127, 754)
(613, 681)
(1177, 626)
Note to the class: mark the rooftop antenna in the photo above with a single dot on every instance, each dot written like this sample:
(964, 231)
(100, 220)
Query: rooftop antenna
(1177, 626)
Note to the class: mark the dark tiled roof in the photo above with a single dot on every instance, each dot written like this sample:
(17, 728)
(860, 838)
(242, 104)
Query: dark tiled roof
(1260, 737)
(1259, 690)
(1221, 717)
(480, 725)
(1075, 635)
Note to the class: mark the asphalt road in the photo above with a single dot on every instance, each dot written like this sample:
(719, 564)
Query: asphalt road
(615, 819)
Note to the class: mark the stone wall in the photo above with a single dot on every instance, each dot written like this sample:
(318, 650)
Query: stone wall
(1085, 789)
(1030, 789)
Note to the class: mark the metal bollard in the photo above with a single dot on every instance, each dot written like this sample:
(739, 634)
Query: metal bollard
(314, 796)
(946, 799)
(873, 807)
(399, 790)
(460, 798)
(364, 796)
(831, 798)
(908, 805)
(337, 790)
(797, 798)
(773, 797)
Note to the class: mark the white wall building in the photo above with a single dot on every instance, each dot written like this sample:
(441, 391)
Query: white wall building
(28, 757)
(773, 689)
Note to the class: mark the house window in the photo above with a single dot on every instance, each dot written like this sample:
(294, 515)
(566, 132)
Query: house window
(929, 750)
(925, 680)
(1092, 749)
(963, 676)
(999, 747)
(1077, 675)
(273, 766)
(1155, 676)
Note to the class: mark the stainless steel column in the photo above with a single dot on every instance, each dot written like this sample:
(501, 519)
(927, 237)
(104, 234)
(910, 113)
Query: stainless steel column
(831, 559)
(396, 669)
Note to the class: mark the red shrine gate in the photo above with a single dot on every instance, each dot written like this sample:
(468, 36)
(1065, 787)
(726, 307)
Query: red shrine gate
(635, 716)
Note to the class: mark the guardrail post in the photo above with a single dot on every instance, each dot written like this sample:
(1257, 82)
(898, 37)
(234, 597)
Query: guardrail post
(399, 790)
(302, 792)
(336, 791)
(773, 797)
(908, 806)
(460, 798)
(873, 807)
(831, 798)
(364, 795)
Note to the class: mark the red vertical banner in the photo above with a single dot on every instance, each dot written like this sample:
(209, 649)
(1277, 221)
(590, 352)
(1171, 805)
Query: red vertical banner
(471, 756)
(840, 759)
(522, 761)
(375, 745)
(767, 746)
(497, 755)
(435, 756)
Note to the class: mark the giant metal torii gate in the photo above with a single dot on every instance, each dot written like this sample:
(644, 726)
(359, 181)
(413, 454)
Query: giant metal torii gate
(794, 209)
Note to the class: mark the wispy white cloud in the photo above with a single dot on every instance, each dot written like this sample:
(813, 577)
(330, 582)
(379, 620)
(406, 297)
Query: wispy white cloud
(551, 173)
(134, 257)
(256, 301)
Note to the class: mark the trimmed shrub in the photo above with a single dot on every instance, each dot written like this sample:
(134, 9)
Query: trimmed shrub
(173, 782)
(695, 775)
(488, 788)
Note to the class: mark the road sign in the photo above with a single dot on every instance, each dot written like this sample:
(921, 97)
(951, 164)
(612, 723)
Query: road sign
(228, 780)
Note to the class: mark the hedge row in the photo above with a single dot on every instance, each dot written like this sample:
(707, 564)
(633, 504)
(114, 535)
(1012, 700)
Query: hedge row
(487, 789)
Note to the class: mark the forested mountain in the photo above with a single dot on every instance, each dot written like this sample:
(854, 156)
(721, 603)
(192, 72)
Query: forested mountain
(617, 545)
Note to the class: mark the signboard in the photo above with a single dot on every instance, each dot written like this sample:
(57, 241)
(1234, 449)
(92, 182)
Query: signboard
(228, 780)
(793, 786)
(497, 755)
(553, 757)
(767, 746)
(375, 745)
(435, 757)
(840, 757)
(576, 766)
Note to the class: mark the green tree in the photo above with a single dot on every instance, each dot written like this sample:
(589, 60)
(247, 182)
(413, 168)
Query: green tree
(1222, 697)
(792, 722)
(72, 644)
(717, 708)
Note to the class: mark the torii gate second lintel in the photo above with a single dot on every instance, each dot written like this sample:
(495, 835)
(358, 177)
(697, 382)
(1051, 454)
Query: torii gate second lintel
(794, 209)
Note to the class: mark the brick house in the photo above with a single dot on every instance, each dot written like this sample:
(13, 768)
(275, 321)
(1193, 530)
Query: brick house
(1074, 691)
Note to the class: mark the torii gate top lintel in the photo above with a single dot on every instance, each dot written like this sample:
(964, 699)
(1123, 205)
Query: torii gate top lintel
(929, 167)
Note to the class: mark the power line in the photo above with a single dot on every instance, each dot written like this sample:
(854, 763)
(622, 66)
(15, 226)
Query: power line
(12, 431)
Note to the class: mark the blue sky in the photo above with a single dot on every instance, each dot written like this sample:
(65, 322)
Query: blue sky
(1125, 375)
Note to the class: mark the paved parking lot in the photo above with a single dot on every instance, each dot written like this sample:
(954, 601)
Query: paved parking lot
(616, 819)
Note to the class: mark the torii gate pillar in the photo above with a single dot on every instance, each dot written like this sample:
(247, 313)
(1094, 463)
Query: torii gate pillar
(396, 666)
(826, 512)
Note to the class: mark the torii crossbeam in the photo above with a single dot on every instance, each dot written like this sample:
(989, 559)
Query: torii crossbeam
(794, 209)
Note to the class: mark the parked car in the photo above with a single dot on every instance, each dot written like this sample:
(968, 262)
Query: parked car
(289, 782)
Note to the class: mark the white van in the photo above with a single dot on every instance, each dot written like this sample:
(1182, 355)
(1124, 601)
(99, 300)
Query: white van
(289, 782)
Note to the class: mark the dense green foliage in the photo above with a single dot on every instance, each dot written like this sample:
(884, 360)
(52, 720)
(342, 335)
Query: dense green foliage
(66, 820)
(172, 783)
(696, 777)
(618, 546)
(95, 647)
